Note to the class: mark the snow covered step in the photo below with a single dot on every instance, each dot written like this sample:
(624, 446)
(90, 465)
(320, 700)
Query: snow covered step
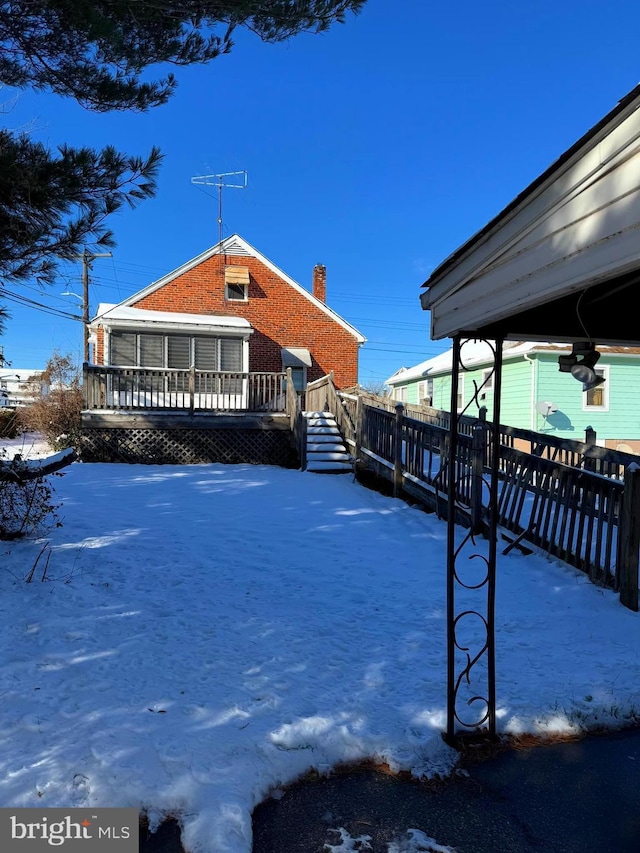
(329, 467)
(331, 456)
(324, 446)
(322, 422)
(323, 437)
(326, 451)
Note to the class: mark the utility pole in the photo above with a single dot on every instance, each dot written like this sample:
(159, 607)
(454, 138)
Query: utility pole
(87, 259)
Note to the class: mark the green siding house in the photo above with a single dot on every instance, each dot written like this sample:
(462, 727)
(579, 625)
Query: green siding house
(535, 394)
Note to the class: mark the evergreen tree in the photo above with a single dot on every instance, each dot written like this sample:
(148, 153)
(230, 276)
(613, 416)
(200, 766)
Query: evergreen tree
(98, 51)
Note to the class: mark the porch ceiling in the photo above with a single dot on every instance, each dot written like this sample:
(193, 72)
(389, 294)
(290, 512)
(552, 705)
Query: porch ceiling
(603, 313)
(562, 261)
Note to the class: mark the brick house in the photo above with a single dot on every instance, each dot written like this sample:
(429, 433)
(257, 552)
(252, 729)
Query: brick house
(230, 309)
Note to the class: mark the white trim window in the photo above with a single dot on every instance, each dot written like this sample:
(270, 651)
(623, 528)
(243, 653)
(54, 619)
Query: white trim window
(236, 284)
(236, 292)
(597, 399)
(425, 392)
(400, 393)
(487, 379)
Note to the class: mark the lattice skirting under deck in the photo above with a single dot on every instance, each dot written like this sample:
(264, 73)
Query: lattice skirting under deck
(188, 447)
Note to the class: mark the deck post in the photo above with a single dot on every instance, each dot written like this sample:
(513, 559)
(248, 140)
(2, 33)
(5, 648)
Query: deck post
(629, 539)
(358, 425)
(590, 441)
(192, 388)
(397, 451)
(87, 395)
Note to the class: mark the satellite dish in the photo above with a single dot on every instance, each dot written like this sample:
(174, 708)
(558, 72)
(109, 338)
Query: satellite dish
(545, 408)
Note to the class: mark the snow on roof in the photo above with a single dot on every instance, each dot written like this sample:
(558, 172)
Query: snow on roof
(20, 374)
(473, 353)
(110, 313)
(441, 363)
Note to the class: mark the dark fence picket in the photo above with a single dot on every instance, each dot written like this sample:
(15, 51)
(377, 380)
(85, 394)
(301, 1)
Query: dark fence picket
(562, 498)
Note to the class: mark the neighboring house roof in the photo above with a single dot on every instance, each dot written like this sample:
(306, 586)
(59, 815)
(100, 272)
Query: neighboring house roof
(16, 386)
(20, 374)
(122, 315)
(477, 353)
(236, 245)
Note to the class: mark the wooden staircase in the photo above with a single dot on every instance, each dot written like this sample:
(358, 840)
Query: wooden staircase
(326, 451)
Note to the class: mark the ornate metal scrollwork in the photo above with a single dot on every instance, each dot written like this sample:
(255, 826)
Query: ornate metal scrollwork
(470, 624)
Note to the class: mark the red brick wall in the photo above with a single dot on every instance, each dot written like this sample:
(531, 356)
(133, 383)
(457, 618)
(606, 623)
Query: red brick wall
(98, 352)
(280, 315)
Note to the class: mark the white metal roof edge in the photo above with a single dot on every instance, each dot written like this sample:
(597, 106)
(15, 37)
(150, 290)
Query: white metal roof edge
(124, 315)
(439, 365)
(219, 249)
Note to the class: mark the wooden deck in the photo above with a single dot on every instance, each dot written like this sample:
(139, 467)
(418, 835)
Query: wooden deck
(191, 416)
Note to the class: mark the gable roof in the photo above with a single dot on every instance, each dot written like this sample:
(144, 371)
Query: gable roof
(237, 246)
(477, 353)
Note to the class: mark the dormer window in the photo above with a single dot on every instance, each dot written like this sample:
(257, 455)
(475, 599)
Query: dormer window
(236, 283)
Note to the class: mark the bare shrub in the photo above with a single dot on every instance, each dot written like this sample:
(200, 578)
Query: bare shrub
(9, 424)
(26, 508)
(57, 403)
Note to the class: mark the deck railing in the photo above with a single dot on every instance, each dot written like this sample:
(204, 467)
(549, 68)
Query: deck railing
(124, 388)
(574, 500)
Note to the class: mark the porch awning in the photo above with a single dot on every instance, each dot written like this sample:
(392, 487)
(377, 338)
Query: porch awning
(295, 357)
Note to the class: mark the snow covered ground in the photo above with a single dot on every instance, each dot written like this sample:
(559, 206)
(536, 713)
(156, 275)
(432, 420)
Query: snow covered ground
(206, 634)
(30, 445)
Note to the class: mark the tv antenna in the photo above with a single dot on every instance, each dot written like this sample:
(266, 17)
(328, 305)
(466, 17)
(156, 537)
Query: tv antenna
(223, 180)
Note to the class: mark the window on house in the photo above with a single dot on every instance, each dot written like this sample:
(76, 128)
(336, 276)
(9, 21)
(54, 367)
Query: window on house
(598, 397)
(230, 355)
(236, 292)
(236, 282)
(132, 349)
(151, 350)
(400, 394)
(179, 351)
(487, 380)
(206, 354)
(425, 392)
(124, 349)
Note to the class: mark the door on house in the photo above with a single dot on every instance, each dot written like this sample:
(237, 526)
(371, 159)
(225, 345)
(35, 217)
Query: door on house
(298, 359)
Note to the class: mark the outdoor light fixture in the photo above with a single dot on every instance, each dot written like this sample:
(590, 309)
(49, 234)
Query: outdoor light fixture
(581, 365)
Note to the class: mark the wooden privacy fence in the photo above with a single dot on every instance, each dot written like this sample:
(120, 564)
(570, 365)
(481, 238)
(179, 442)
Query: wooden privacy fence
(573, 500)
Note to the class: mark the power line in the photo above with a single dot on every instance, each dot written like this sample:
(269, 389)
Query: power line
(37, 306)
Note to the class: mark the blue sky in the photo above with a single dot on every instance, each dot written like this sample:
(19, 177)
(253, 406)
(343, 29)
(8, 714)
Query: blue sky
(375, 149)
